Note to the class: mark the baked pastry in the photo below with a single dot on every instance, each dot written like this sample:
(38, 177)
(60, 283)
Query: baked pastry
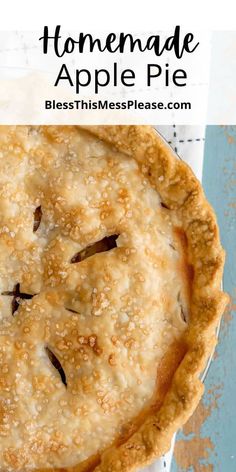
(110, 270)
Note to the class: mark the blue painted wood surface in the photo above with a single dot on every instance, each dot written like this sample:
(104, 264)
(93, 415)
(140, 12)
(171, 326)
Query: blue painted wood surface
(219, 427)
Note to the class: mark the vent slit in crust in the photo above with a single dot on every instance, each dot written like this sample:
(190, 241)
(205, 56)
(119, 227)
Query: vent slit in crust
(182, 311)
(183, 316)
(172, 246)
(56, 363)
(165, 206)
(71, 310)
(17, 296)
(37, 218)
(105, 244)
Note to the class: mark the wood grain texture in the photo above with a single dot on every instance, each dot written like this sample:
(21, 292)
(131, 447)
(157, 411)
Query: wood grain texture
(208, 441)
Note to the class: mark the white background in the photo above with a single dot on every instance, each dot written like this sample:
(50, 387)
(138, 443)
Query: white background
(104, 15)
(128, 16)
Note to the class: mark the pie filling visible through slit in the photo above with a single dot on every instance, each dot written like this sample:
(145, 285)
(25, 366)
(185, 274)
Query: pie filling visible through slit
(96, 287)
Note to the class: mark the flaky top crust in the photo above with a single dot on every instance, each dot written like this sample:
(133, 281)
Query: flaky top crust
(179, 191)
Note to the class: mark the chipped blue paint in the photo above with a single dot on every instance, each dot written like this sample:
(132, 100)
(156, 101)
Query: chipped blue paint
(219, 182)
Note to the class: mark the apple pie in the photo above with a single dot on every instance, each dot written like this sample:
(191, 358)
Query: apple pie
(110, 273)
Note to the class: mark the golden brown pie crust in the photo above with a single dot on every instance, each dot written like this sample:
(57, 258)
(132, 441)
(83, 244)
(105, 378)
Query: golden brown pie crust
(179, 190)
